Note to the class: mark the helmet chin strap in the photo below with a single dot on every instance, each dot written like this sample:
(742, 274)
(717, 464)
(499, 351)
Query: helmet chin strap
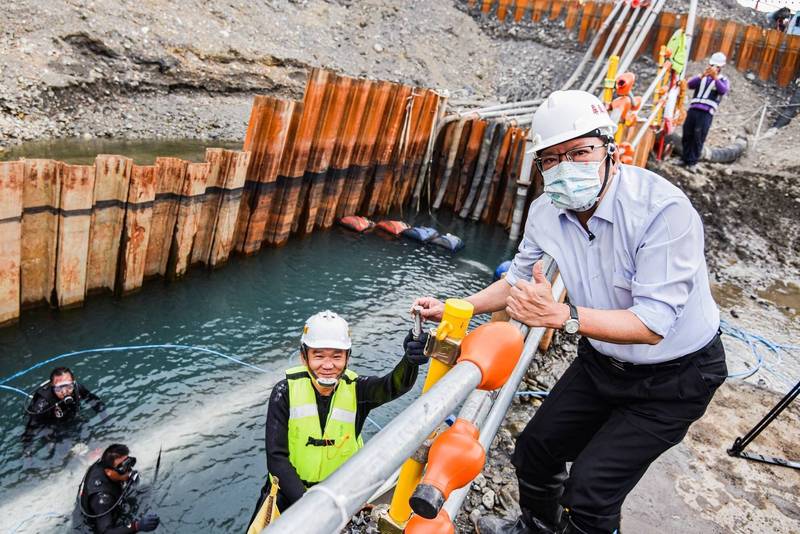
(608, 171)
(323, 382)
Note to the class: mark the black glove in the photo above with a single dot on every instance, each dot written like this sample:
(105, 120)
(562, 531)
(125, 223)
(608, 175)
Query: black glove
(99, 406)
(414, 348)
(147, 523)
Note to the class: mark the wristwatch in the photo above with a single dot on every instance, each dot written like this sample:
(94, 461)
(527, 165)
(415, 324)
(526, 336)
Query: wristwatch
(572, 325)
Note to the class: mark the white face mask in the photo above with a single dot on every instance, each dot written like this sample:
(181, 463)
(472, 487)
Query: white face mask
(573, 185)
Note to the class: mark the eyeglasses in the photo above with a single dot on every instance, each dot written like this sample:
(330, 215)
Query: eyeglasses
(579, 154)
(66, 386)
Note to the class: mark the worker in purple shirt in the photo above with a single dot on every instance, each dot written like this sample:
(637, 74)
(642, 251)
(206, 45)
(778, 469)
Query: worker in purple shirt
(708, 92)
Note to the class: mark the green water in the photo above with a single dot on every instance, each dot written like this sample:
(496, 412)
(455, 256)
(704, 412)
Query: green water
(205, 411)
(142, 151)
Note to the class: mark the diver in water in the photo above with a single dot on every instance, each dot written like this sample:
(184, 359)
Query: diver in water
(57, 401)
(104, 489)
(316, 414)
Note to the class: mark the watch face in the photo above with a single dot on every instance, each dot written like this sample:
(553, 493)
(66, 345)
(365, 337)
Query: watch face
(571, 326)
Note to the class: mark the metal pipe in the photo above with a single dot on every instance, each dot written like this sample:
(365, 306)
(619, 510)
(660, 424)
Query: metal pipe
(486, 149)
(455, 143)
(652, 87)
(689, 35)
(588, 54)
(646, 125)
(637, 30)
(601, 57)
(522, 190)
(499, 113)
(634, 49)
(628, 31)
(508, 105)
(506, 394)
(328, 506)
(488, 174)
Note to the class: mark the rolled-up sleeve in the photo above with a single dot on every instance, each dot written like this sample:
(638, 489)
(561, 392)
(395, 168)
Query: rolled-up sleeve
(528, 254)
(668, 256)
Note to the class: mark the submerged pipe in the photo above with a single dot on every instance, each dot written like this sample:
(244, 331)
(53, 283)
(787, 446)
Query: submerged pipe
(601, 57)
(588, 54)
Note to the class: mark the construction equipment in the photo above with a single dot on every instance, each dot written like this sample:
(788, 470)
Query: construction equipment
(737, 450)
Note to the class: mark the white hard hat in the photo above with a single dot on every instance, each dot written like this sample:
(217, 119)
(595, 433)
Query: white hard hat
(717, 59)
(326, 330)
(566, 115)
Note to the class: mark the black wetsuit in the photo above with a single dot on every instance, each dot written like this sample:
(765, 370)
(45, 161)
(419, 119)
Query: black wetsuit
(371, 392)
(99, 495)
(45, 408)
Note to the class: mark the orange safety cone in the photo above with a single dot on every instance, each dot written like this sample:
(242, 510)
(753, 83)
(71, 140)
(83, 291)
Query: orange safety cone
(455, 458)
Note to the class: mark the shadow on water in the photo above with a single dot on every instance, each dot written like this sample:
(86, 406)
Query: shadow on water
(142, 151)
(205, 411)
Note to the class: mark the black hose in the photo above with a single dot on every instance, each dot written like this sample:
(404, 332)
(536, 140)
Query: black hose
(726, 154)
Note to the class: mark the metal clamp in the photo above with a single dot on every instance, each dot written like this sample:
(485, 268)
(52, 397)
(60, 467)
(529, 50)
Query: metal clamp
(446, 351)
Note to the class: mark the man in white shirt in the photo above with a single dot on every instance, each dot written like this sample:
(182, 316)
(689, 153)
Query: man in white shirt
(629, 246)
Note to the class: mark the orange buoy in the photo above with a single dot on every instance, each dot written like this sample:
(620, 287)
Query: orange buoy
(454, 459)
(495, 348)
(356, 223)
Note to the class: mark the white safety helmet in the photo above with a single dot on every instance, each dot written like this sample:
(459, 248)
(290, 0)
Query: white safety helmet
(326, 330)
(566, 115)
(717, 59)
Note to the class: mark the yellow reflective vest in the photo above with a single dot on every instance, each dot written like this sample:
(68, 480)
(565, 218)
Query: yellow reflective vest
(313, 455)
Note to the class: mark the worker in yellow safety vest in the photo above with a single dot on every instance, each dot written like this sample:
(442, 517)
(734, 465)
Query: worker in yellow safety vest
(316, 414)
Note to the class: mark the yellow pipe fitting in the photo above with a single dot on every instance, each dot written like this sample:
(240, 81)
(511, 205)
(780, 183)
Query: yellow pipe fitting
(453, 328)
(611, 77)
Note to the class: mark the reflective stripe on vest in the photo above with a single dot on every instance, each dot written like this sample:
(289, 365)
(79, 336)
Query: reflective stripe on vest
(313, 455)
(706, 94)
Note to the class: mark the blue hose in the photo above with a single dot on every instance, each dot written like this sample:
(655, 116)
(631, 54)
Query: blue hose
(131, 347)
(15, 390)
(753, 341)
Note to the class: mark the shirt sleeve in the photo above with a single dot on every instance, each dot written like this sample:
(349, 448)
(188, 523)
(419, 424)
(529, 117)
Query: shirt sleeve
(668, 256)
(527, 254)
(693, 82)
(722, 85)
(101, 503)
(277, 444)
(372, 391)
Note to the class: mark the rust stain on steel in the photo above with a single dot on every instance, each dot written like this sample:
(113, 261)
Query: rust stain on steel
(322, 148)
(469, 161)
(296, 158)
(40, 197)
(262, 174)
(77, 192)
(11, 192)
(235, 172)
(364, 149)
(112, 179)
(209, 208)
(170, 174)
(499, 174)
(358, 102)
(189, 208)
(136, 233)
(515, 164)
(387, 143)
